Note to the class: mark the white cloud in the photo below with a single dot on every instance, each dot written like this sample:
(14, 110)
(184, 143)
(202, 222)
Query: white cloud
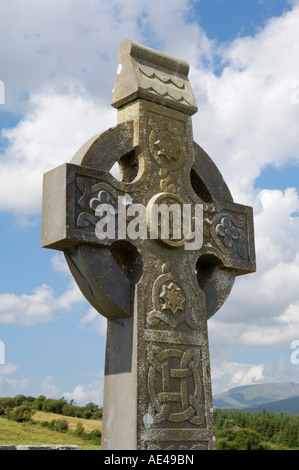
(59, 263)
(38, 307)
(70, 297)
(281, 330)
(49, 389)
(11, 387)
(261, 310)
(8, 369)
(62, 39)
(85, 394)
(82, 394)
(68, 94)
(26, 309)
(50, 134)
(68, 39)
(246, 118)
(96, 321)
(228, 375)
(291, 315)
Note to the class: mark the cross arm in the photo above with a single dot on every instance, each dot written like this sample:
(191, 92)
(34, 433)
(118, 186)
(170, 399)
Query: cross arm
(68, 206)
(228, 234)
(71, 196)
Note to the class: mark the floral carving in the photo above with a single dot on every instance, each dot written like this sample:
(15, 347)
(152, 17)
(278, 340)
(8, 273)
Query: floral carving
(103, 198)
(228, 232)
(93, 200)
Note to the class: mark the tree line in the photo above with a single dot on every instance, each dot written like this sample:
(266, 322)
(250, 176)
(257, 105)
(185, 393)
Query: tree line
(12, 405)
(240, 430)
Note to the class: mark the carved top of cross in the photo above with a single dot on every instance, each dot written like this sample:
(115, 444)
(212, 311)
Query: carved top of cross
(159, 164)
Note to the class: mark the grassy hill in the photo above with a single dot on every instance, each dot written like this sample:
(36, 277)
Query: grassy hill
(43, 421)
(234, 431)
(89, 424)
(35, 433)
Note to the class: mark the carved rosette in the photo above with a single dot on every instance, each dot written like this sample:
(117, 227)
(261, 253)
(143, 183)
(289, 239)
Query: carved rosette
(170, 304)
(229, 232)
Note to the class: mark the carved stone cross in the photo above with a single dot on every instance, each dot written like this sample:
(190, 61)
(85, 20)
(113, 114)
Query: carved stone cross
(157, 292)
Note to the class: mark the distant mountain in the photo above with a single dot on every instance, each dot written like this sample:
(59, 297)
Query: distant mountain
(289, 405)
(255, 395)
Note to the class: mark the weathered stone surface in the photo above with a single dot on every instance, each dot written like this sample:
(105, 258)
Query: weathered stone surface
(157, 294)
(154, 76)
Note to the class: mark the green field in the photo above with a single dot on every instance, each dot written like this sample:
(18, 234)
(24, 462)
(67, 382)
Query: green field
(44, 421)
(27, 433)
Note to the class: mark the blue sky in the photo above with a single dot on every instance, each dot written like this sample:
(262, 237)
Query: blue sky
(224, 20)
(58, 64)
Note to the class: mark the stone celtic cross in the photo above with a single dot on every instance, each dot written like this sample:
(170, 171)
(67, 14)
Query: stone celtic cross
(156, 292)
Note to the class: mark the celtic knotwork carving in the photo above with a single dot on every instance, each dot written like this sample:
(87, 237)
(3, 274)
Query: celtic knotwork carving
(94, 201)
(174, 384)
(190, 446)
(169, 302)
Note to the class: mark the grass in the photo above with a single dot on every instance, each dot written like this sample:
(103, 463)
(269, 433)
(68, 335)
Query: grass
(13, 433)
(89, 424)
